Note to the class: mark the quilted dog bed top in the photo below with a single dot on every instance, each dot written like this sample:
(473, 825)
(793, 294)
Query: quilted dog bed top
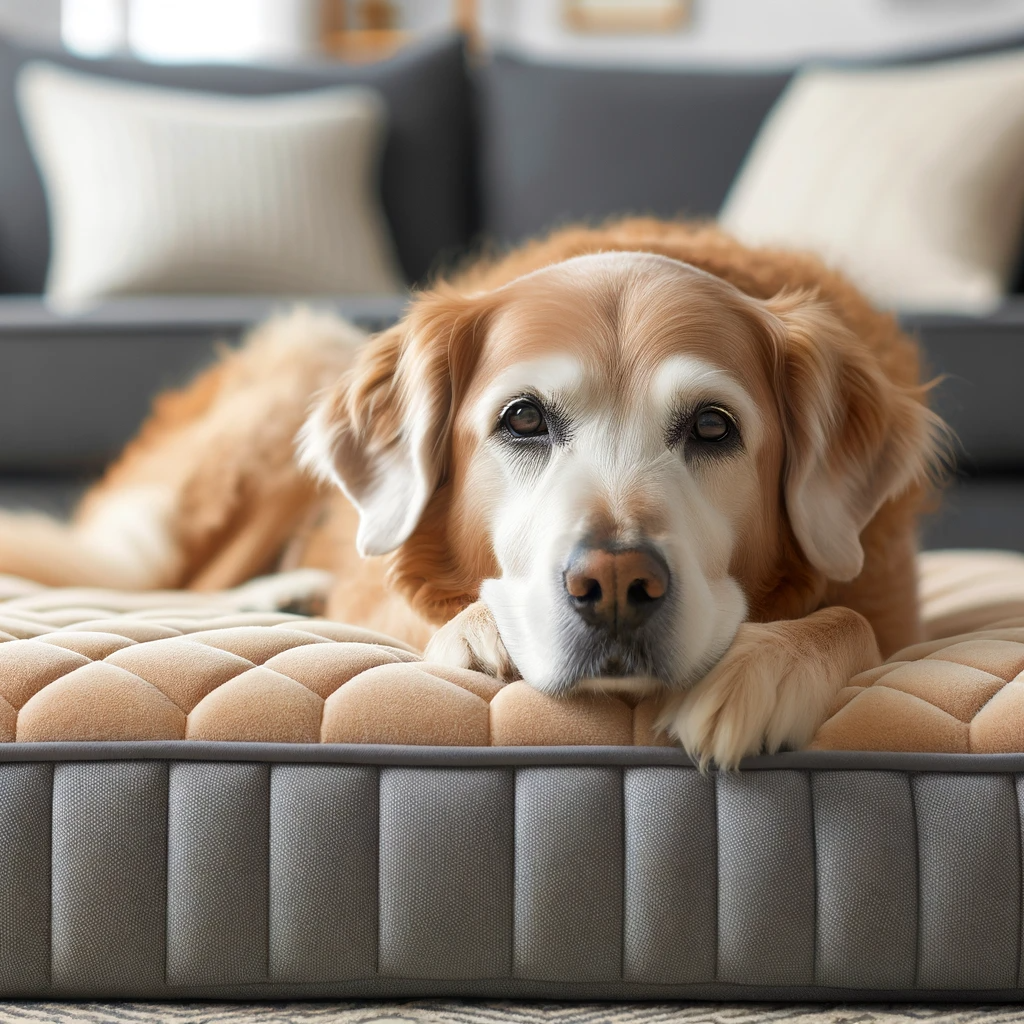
(102, 665)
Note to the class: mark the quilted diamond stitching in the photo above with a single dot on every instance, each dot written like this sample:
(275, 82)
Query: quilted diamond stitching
(325, 666)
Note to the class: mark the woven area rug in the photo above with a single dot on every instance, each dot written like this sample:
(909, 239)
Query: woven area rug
(498, 1012)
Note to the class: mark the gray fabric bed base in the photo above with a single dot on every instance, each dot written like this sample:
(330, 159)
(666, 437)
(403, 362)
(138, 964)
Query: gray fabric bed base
(182, 870)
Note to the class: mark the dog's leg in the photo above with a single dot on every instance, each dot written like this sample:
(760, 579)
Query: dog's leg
(299, 591)
(124, 545)
(773, 687)
(209, 492)
(471, 640)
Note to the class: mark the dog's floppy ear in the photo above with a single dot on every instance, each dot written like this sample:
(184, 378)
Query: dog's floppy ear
(854, 438)
(383, 433)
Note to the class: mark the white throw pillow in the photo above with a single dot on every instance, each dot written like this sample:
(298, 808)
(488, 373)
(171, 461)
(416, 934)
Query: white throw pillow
(911, 180)
(160, 190)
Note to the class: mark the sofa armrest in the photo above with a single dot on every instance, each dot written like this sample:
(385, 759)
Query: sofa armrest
(73, 389)
(980, 363)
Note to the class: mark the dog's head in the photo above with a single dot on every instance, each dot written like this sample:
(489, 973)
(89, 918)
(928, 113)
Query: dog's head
(620, 455)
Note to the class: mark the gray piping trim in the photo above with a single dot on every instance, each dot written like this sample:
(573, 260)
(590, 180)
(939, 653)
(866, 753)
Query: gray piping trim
(472, 757)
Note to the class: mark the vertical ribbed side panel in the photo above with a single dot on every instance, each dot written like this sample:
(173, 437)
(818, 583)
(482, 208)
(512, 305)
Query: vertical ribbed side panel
(109, 875)
(969, 844)
(866, 842)
(569, 859)
(671, 876)
(121, 878)
(446, 872)
(25, 793)
(323, 872)
(766, 879)
(217, 873)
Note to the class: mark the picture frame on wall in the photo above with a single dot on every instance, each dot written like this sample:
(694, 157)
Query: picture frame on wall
(614, 17)
(365, 30)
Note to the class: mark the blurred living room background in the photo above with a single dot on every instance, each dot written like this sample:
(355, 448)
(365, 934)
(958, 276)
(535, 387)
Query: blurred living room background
(173, 171)
(625, 32)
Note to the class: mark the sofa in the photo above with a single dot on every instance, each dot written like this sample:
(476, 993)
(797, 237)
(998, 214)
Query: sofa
(479, 153)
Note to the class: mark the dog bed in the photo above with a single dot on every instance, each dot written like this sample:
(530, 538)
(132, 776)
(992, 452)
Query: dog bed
(348, 821)
(85, 665)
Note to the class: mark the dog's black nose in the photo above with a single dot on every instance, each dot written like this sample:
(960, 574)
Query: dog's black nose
(616, 590)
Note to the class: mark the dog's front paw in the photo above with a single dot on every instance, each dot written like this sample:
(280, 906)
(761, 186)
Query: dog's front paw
(735, 710)
(299, 592)
(471, 640)
(773, 687)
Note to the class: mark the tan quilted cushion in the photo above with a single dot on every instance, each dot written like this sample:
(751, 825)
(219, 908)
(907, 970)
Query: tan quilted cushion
(964, 695)
(100, 665)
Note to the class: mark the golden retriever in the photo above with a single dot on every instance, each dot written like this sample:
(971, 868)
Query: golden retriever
(631, 457)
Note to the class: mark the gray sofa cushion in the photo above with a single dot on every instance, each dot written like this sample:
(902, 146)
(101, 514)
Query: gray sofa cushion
(75, 388)
(55, 495)
(562, 143)
(985, 511)
(427, 174)
(979, 363)
(183, 869)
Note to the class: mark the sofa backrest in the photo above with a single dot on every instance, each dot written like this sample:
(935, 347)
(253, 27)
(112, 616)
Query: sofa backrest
(427, 187)
(560, 143)
(516, 148)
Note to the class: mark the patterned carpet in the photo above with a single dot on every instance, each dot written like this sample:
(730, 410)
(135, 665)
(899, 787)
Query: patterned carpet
(482, 1012)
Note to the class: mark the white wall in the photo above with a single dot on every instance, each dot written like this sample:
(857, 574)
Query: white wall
(730, 32)
(222, 30)
(761, 32)
(172, 30)
(38, 19)
(426, 15)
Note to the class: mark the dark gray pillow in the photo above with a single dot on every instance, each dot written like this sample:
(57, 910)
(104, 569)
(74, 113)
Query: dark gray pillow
(562, 143)
(427, 183)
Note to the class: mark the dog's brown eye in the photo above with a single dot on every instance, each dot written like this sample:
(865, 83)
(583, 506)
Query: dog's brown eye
(524, 419)
(712, 425)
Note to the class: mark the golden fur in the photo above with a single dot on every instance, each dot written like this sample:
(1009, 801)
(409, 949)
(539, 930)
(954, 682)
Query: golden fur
(837, 384)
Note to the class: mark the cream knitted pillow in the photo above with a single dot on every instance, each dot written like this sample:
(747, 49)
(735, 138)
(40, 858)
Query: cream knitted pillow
(159, 190)
(911, 179)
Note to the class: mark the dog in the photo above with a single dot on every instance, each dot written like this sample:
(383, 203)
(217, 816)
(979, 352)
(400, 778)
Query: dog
(638, 457)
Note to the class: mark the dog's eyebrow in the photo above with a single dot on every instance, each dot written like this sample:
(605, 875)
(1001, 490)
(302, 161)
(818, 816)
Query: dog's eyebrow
(687, 379)
(544, 377)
